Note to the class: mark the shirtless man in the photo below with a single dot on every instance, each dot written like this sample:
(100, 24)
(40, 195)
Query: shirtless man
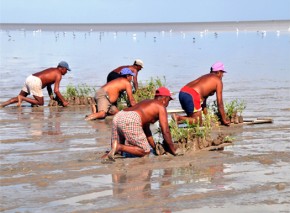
(135, 68)
(133, 126)
(37, 81)
(109, 94)
(193, 96)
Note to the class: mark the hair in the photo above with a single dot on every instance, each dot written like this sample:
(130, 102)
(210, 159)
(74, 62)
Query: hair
(215, 72)
(158, 96)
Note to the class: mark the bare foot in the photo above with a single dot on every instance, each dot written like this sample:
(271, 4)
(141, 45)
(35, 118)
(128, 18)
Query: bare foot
(19, 101)
(106, 159)
(90, 117)
(174, 116)
(1, 106)
(105, 156)
(113, 150)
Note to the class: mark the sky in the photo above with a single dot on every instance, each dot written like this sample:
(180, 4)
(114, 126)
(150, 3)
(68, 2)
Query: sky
(141, 11)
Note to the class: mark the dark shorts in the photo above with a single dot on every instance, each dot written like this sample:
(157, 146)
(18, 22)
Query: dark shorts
(112, 76)
(189, 100)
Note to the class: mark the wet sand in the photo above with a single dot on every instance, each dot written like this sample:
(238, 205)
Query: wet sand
(50, 162)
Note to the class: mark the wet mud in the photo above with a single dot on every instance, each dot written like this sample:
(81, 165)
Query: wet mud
(50, 162)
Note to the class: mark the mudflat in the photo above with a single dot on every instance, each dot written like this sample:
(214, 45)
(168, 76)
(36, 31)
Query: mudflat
(50, 162)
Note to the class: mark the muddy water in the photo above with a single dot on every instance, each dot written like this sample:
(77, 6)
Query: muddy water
(50, 157)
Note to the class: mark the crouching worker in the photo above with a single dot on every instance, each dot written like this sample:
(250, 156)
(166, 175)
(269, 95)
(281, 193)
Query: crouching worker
(193, 96)
(133, 126)
(37, 81)
(108, 94)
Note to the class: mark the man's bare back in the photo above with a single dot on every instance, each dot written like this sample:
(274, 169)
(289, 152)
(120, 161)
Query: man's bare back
(109, 93)
(135, 68)
(114, 87)
(49, 76)
(206, 85)
(149, 110)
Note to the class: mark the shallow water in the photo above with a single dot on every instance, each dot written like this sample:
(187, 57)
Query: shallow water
(50, 156)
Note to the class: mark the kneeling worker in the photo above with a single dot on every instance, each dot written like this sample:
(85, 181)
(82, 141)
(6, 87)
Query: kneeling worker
(109, 94)
(133, 126)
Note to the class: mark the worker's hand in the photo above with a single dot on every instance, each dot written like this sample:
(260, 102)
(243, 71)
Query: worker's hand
(178, 152)
(65, 103)
(226, 122)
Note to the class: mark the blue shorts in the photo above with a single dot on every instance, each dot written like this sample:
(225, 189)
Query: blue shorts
(189, 100)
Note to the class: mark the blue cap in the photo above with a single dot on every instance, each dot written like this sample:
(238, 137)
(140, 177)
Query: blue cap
(127, 71)
(64, 64)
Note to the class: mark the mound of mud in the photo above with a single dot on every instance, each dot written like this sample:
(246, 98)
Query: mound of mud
(86, 101)
(197, 144)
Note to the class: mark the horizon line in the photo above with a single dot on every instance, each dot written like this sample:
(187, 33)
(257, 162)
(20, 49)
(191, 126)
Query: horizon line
(272, 25)
(168, 22)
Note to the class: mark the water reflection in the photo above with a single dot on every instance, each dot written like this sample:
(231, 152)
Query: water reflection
(36, 124)
(102, 125)
(39, 121)
(137, 185)
(145, 184)
(52, 126)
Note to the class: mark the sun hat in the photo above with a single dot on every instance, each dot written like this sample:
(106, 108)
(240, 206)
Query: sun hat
(64, 64)
(139, 62)
(127, 71)
(218, 66)
(163, 91)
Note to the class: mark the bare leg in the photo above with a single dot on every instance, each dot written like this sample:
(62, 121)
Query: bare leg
(192, 119)
(134, 150)
(110, 155)
(13, 100)
(113, 110)
(113, 150)
(175, 117)
(94, 108)
(36, 101)
(10, 101)
(94, 111)
(19, 101)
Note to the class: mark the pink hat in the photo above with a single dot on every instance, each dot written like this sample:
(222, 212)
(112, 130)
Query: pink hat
(218, 66)
(163, 91)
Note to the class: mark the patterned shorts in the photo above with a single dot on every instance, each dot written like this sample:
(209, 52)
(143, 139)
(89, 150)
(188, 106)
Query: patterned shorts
(33, 85)
(127, 126)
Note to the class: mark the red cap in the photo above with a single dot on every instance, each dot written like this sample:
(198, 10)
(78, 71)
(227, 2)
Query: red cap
(163, 91)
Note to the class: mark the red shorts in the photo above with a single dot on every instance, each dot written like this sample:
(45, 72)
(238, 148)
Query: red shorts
(189, 100)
